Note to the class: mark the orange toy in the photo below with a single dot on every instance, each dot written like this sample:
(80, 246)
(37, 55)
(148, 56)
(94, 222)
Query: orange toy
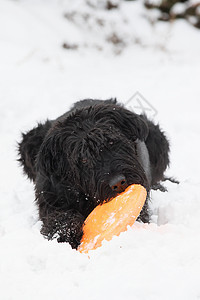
(112, 218)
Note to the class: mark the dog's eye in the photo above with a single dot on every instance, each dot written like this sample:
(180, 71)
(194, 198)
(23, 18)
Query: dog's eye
(84, 160)
(111, 143)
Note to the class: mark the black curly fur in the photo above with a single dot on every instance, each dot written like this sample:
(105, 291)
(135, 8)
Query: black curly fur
(72, 159)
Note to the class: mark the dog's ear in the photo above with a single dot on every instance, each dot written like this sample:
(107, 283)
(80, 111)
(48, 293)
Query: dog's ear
(134, 126)
(29, 146)
(51, 159)
(131, 124)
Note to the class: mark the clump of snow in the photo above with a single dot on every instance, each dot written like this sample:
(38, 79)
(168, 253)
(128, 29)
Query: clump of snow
(178, 8)
(38, 80)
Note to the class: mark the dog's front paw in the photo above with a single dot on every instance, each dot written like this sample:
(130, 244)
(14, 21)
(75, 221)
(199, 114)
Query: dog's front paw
(71, 233)
(66, 227)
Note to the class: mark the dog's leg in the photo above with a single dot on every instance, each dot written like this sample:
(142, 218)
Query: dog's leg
(144, 214)
(65, 226)
(162, 188)
(29, 147)
(171, 179)
(59, 210)
(159, 186)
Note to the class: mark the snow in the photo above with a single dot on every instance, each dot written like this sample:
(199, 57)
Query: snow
(178, 8)
(39, 80)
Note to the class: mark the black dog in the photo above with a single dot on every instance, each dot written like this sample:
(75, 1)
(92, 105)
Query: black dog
(87, 156)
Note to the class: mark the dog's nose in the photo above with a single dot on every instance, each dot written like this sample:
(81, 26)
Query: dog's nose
(118, 183)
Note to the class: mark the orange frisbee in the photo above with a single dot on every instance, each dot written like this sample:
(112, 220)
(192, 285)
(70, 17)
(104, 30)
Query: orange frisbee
(112, 218)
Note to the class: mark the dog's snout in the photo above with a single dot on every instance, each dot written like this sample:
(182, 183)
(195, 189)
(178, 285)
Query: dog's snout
(118, 183)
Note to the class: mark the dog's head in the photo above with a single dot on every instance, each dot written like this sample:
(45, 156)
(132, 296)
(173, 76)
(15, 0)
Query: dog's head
(95, 151)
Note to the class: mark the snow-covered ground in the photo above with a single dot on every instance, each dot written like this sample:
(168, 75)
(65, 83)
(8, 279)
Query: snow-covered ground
(38, 80)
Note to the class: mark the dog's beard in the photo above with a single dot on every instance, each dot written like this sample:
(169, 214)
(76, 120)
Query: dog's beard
(95, 182)
(96, 166)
